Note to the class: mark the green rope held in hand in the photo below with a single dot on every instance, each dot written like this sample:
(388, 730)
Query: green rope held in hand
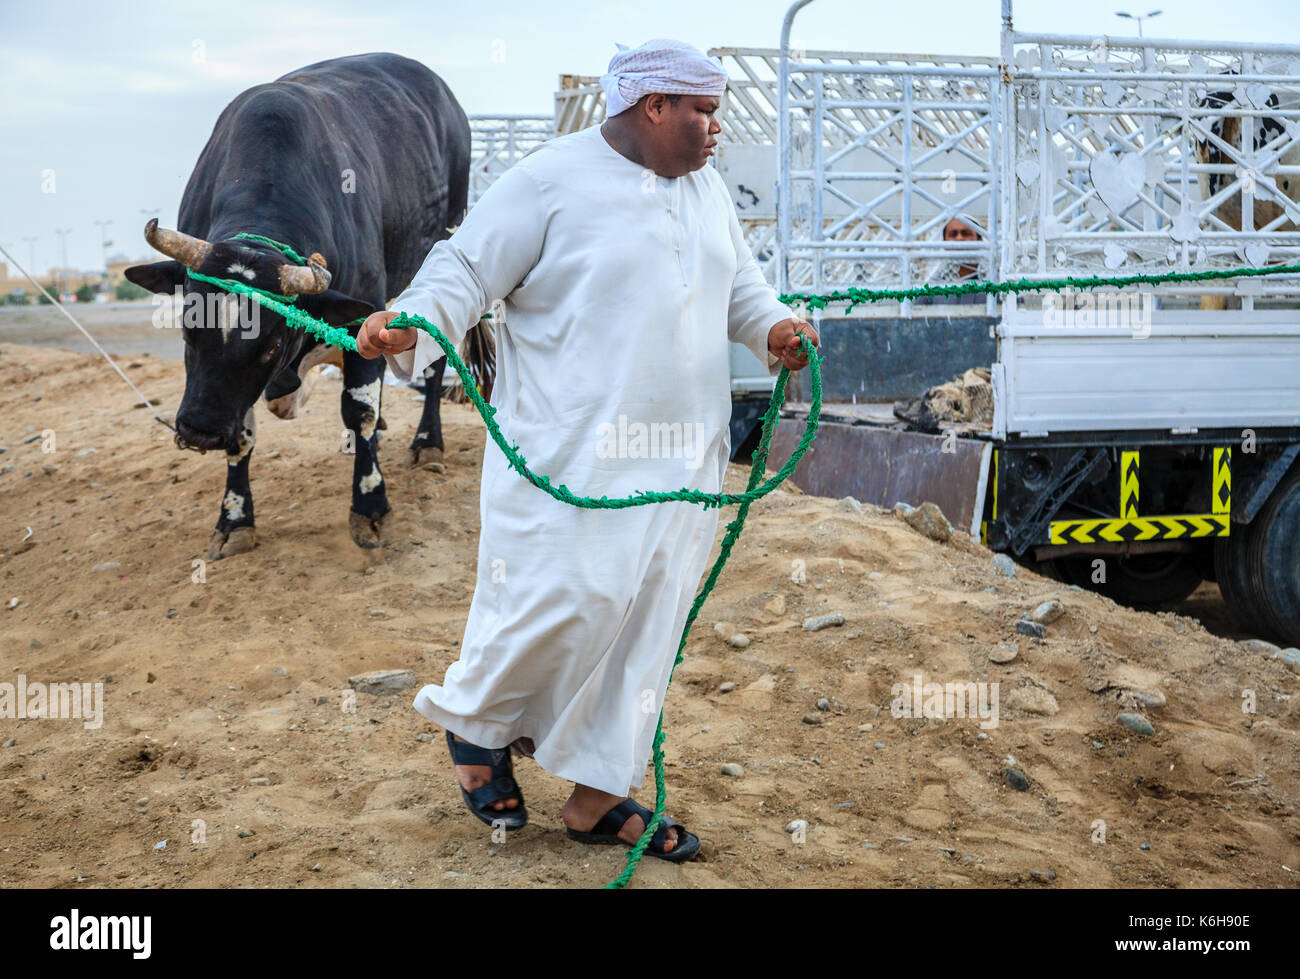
(339, 336)
(756, 470)
(756, 489)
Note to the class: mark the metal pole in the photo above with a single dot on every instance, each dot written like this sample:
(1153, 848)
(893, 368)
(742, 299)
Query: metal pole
(907, 187)
(818, 220)
(63, 253)
(1006, 133)
(103, 242)
(783, 149)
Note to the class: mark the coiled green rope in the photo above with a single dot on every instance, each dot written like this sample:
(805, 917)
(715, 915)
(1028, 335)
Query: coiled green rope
(339, 336)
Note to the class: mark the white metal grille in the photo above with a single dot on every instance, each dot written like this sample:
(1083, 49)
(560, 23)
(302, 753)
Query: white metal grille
(497, 141)
(1148, 156)
(883, 150)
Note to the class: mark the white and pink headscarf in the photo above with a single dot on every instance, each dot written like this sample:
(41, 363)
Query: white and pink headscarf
(659, 65)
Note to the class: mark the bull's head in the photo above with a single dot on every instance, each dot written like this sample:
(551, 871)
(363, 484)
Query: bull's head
(233, 346)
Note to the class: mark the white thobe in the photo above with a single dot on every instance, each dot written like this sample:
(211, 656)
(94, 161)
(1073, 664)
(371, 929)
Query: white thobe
(622, 290)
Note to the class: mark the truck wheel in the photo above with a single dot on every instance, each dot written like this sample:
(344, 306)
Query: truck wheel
(1231, 554)
(1273, 560)
(1138, 580)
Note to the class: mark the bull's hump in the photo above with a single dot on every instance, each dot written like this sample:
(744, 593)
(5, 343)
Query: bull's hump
(369, 67)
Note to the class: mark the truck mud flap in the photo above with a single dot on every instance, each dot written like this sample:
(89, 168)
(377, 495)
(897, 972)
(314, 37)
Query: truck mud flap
(885, 466)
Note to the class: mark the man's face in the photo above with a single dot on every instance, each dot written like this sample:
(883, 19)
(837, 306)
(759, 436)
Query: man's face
(686, 134)
(957, 230)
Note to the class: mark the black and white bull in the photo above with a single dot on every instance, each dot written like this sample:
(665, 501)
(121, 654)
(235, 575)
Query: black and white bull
(1262, 130)
(363, 160)
(1266, 134)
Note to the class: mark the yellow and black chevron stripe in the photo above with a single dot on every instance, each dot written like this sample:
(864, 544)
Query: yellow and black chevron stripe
(1128, 484)
(1118, 530)
(1221, 489)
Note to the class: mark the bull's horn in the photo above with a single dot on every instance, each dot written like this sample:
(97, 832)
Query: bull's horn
(186, 249)
(304, 280)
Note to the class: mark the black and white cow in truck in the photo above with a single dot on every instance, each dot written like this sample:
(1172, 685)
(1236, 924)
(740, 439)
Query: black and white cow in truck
(1273, 144)
(361, 163)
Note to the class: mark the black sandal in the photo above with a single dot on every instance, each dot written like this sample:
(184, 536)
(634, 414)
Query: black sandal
(502, 786)
(606, 831)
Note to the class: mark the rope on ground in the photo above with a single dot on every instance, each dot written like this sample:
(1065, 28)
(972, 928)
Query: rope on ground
(102, 352)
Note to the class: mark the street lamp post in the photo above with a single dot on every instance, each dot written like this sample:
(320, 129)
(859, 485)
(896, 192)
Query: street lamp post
(1146, 16)
(103, 241)
(63, 253)
(31, 253)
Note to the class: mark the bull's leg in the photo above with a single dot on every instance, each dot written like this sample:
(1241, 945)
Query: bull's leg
(234, 533)
(363, 382)
(427, 448)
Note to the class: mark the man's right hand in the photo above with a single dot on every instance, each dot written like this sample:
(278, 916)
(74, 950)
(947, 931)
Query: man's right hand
(374, 338)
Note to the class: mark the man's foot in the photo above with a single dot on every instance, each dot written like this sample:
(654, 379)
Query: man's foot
(473, 776)
(586, 806)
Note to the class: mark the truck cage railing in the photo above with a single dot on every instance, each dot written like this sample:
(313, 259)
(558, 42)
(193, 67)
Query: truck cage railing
(497, 141)
(1078, 154)
(1073, 155)
(1144, 155)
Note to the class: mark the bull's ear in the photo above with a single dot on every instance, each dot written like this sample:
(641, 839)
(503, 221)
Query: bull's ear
(334, 307)
(162, 277)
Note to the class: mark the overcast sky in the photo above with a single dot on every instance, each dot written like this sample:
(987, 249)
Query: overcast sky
(117, 98)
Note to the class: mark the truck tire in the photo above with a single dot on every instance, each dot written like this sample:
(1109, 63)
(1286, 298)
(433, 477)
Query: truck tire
(1236, 583)
(1145, 581)
(1273, 560)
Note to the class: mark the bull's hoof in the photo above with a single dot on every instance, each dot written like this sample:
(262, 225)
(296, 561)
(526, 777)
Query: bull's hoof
(226, 544)
(428, 458)
(365, 531)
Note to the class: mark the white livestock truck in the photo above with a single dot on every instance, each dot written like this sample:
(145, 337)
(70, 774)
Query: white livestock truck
(1141, 440)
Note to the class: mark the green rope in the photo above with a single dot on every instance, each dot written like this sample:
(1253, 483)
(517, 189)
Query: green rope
(729, 539)
(339, 337)
(279, 246)
(229, 285)
(755, 489)
(854, 296)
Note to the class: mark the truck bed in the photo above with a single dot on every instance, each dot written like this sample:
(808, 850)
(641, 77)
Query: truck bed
(1197, 369)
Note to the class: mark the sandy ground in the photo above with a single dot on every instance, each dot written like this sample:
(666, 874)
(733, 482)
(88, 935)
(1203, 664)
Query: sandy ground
(222, 698)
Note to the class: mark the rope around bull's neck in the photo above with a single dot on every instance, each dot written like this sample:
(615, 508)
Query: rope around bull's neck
(339, 336)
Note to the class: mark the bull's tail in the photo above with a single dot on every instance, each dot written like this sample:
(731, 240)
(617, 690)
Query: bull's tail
(479, 351)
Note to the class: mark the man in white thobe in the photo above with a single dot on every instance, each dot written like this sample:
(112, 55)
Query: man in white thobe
(624, 274)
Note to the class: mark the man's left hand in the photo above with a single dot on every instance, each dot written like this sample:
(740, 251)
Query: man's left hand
(783, 342)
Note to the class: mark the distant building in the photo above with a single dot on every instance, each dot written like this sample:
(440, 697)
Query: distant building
(66, 280)
(117, 266)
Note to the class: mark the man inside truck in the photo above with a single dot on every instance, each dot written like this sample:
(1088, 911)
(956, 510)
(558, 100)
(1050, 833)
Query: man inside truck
(963, 228)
